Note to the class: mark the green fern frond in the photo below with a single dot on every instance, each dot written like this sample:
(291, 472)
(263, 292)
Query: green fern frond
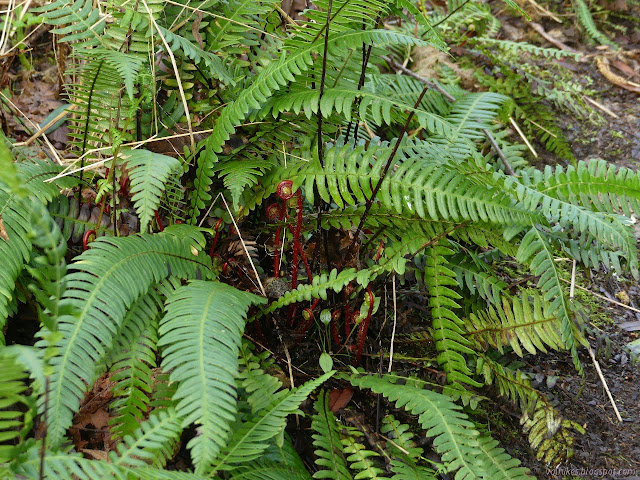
(108, 278)
(455, 438)
(433, 36)
(474, 274)
(404, 450)
(430, 191)
(473, 112)
(513, 384)
(269, 472)
(516, 48)
(374, 105)
(14, 250)
(521, 323)
(329, 453)
(178, 43)
(597, 184)
(126, 64)
(13, 386)
(402, 437)
(586, 20)
(66, 464)
(608, 229)
(238, 25)
(501, 465)
(48, 270)
(448, 327)
(272, 78)
(200, 337)
(261, 387)
(153, 443)
(411, 471)
(74, 20)
(249, 441)
(359, 457)
(535, 250)
(134, 357)
(549, 433)
(318, 289)
(148, 174)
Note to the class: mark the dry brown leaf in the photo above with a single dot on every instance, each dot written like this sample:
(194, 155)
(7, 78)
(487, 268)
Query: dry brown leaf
(603, 67)
(338, 399)
(3, 231)
(94, 454)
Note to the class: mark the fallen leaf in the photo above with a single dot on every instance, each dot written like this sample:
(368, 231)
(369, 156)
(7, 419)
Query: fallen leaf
(94, 454)
(338, 399)
(3, 231)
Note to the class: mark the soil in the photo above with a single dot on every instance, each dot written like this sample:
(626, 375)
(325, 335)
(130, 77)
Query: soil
(610, 449)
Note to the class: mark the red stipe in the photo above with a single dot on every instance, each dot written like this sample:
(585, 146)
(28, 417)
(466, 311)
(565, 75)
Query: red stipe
(379, 252)
(179, 221)
(307, 323)
(225, 268)
(214, 244)
(285, 189)
(348, 290)
(160, 227)
(362, 331)
(276, 256)
(303, 256)
(307, 312)
(256, 325)
(297, 247)
(85, 239)
(334, 327)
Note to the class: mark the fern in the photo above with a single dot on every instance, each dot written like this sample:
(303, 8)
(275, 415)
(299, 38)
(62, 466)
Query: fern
(586, 20)
(318, 289)
(74, 20)
(455, 438)
(524, 323)
(359, 457)
(108, 278)
(447, 326)
(153, 443)
(270, 79)
(248, 441)
(430, 191)
(66, 464)
(501, 464)
(216, 68)
(200, 336)
(536, 251)
(134, 356)
(13, 388)
(148, 174)
(262, 388)
(329, 449)
(406, 454)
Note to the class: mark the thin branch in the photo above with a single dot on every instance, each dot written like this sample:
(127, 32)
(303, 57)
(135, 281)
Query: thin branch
(383, 174)
(323, 77)
(183, 98)
(398, 67)
(395, 321)
(246, 251)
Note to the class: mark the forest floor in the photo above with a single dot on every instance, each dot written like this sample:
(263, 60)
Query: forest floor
(610, 449)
